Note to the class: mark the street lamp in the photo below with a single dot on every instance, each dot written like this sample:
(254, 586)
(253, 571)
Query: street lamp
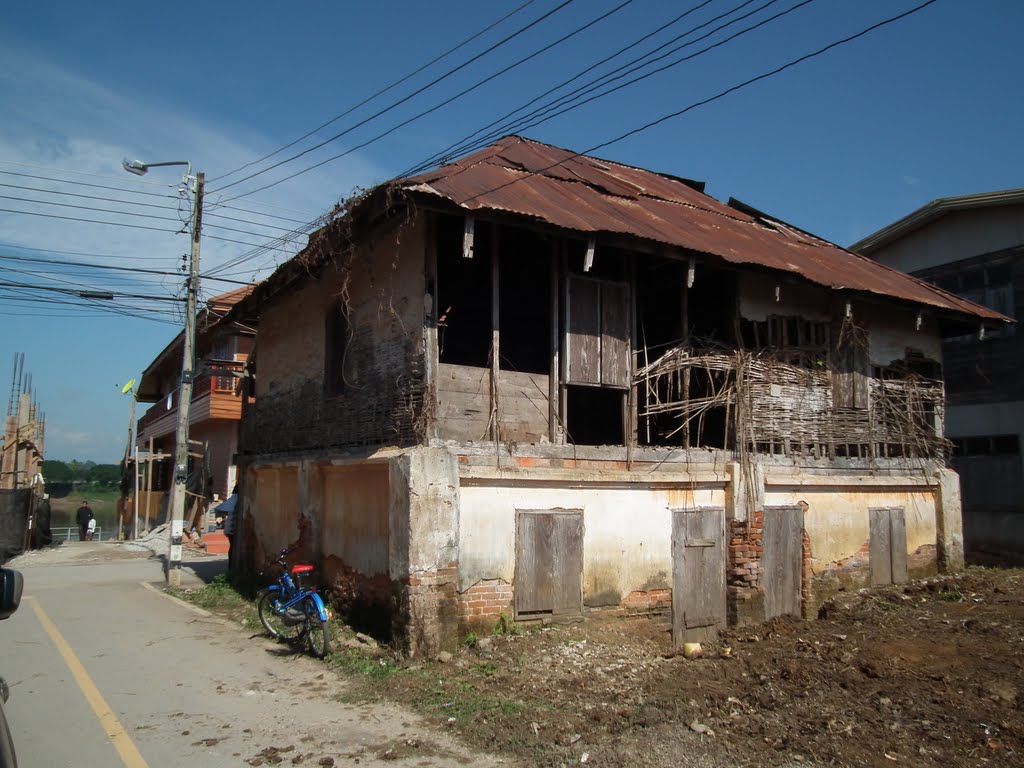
(176, 506)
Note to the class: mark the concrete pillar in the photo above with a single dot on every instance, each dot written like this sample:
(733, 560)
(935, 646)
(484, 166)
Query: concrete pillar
(424, 544)
(744, 494)
(949, 521)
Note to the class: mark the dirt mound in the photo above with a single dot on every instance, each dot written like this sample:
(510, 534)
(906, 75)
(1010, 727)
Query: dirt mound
(927, 674)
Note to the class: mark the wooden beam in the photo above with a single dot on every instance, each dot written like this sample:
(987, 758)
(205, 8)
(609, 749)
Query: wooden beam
(691, 271)
(588, 260)
(468, 234)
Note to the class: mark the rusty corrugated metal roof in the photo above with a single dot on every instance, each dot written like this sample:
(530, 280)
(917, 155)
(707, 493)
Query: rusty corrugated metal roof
(580, 193)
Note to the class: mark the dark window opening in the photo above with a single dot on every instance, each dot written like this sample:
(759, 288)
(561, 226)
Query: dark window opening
(609, 263)
(914, 364)
(336, 339)
(660, 308)
(711, 305)
(706, 419)
(595, 416)
(995, 445)
(464, 294)
(796, 341)
(524, 275)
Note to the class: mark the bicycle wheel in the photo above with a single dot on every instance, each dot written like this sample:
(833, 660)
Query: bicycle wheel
(274, 624)
(317, 634)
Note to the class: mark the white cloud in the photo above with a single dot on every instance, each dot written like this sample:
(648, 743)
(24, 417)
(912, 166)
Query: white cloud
(54, 118)
(910, 181)
(58, 119)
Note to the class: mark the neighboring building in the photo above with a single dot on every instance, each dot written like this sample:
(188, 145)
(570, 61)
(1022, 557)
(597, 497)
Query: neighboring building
(544, 385)
(21, 455)
(973, 246)
(222, 350)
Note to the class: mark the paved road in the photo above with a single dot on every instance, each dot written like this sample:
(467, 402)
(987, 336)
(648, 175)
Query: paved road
(106, 670)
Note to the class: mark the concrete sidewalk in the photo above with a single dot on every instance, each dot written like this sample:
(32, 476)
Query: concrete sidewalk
(177, 685)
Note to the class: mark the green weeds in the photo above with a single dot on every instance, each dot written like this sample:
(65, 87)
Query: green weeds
(221, 597)
(506, 627)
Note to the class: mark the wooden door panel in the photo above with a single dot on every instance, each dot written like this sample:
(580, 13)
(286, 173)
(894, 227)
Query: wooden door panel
(880, 546)
(567, 541)
(584, 332)
(615, 335)
(782, 560)
(549, 562)
(698, 574)
(898, 544)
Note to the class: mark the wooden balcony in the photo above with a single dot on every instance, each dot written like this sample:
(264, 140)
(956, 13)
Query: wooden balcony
(213, 398)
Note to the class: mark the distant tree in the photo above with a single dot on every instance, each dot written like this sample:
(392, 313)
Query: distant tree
(81, 469)
(108, 475)
(57, 473)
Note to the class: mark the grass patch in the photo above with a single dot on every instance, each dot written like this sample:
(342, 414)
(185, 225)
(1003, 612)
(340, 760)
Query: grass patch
(219, 596)
(506, 627)
(464, 702)
(356, 664)
(884, 604)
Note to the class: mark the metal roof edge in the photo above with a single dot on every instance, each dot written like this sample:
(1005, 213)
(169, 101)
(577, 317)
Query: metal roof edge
(933, 210)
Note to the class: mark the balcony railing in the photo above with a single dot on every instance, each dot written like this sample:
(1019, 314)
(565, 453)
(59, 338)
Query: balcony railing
(218, 381)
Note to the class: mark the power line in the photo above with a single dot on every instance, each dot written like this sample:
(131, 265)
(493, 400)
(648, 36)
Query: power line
(564, 104)
(92, 197)
(80, 253)
(164, 195)
(79, 173)
(710, 99)
(89, 221)
(88, 208)
(88, 309)
(88, 184)
(444, 103)
(74, 292)
(137, 270)
(130, 202)
(380, 92)
(508, 125)
(401, 101)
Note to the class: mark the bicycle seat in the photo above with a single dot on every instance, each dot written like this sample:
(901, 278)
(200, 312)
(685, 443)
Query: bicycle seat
(297, 569)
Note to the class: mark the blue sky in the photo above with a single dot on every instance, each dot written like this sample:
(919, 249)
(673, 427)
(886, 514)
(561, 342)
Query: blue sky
(840, 145)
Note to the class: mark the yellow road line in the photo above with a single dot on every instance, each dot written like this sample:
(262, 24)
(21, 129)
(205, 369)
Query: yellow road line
(126, 749)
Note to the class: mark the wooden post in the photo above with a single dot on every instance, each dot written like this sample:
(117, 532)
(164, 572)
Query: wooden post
(149, 481)
(495, 332)
(431, 353)
(553, 375)
(630, 424)
(563, 387)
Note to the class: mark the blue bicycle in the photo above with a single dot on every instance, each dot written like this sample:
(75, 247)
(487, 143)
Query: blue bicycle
(292, 613)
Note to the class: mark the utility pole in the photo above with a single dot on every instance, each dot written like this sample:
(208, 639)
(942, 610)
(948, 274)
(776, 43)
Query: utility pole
(176, 507)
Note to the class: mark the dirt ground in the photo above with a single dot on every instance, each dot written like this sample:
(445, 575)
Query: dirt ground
(926, 674)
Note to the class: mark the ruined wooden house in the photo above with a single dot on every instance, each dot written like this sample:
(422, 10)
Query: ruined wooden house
(544, 385)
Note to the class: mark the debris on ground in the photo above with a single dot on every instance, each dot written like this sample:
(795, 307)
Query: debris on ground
(926, 674)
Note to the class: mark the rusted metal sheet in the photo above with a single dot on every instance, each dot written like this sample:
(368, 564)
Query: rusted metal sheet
(588, 195)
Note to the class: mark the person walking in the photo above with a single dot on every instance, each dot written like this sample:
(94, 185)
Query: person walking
(82, 517)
